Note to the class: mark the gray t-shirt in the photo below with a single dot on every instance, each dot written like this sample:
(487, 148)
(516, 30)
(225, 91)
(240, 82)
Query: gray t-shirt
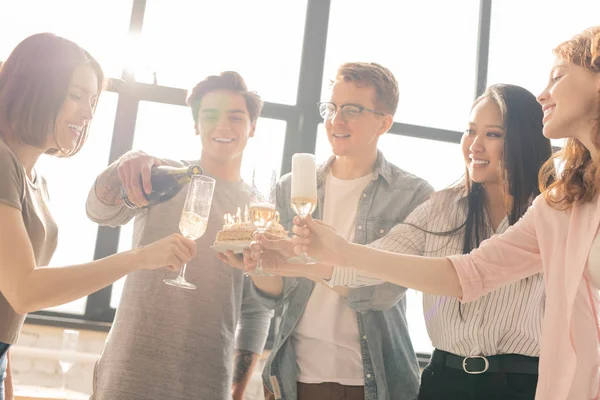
(171, 343)
(31, 198)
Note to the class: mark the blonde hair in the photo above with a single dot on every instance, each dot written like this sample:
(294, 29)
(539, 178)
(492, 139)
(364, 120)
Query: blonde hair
(375, 76)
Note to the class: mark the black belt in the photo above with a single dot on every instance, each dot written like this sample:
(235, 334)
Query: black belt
(506, 363)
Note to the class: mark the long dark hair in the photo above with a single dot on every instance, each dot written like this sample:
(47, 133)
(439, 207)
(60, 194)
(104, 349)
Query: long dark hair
(525, 151)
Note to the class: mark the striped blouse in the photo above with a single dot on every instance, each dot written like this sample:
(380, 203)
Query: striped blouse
(508, 320)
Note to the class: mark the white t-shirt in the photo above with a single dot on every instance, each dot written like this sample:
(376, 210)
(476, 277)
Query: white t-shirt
(326, 338)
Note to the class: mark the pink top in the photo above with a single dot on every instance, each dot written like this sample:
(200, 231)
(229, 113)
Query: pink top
(557, 243)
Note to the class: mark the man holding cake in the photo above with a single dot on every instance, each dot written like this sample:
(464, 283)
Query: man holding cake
(238, 231)
(347, 343)
(171, 343)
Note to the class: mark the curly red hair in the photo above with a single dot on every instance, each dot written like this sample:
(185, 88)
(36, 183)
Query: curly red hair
(580, 178)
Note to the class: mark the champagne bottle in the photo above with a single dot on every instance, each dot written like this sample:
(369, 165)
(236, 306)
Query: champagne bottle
(166, 183)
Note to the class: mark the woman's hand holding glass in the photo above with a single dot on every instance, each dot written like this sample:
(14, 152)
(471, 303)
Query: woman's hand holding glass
(272, 250)
(319, 241)
(278, 258)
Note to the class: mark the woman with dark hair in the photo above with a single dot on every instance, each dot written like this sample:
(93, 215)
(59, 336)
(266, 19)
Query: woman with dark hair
(488, 348)
(49, 87)
(558, 236)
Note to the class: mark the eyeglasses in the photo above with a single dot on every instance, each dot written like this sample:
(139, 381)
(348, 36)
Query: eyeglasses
(350, 112)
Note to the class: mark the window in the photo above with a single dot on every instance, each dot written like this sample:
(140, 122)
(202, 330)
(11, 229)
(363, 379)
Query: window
(99, 27)
(431, 55)
(523, 35)
(167, 131)
(416, 322)
(260, 40)
(439, 163)
(69, 181)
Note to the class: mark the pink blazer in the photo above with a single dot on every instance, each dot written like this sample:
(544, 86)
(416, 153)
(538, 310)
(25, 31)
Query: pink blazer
(557, 243)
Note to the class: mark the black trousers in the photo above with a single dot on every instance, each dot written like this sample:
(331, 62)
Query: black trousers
(440, 382)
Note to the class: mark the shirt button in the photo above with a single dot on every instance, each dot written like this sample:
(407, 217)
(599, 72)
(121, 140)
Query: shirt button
(364, 195)
(382, 231)
(369, 376)
(365, 337)
(360, 227)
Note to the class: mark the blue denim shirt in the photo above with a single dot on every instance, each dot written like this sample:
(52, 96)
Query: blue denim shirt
(391, 370)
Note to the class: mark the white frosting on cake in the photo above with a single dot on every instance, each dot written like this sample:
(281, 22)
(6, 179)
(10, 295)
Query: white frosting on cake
(249, 226)
(238, 225)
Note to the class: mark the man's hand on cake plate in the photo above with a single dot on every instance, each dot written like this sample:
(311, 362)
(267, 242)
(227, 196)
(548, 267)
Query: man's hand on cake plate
(279, 250)
(239, 261)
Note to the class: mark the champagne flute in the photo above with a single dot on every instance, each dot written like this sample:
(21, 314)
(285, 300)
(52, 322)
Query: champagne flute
(68, 354)
(304, 192)
(262, 205)
(194, 219)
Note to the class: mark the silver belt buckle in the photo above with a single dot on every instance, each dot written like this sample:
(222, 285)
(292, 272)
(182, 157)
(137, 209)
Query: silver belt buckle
(486, 367)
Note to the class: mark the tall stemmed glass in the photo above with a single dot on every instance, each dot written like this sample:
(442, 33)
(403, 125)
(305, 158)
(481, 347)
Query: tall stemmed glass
(262, 205)
(194, 218)
(68, 354)
(304, 192)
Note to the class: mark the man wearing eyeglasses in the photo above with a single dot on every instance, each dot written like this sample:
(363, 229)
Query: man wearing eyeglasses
(348, 343)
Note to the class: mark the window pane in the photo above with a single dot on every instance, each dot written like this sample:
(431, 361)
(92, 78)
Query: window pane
(100, 27)
(167, 131)
(431, 55)
(416, 323)
(523, 35)
(439, 163)
(185, 43)
(519, 54)
(69, 181)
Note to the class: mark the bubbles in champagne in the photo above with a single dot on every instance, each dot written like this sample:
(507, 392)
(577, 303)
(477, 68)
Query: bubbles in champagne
(192, 225)
(303, 206)
(262, 214)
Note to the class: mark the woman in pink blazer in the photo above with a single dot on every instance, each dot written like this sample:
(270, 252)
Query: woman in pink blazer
(558, 235)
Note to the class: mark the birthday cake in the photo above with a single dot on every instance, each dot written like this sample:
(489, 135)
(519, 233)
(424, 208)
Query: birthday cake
(238, 230)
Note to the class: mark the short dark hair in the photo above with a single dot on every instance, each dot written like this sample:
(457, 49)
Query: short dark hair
(227, 80)
(34, 81)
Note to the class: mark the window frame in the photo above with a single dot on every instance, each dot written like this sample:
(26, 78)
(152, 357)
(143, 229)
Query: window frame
(302, 120)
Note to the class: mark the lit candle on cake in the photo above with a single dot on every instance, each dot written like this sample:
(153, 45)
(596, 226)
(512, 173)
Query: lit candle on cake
(238, 217)
(246, 213)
